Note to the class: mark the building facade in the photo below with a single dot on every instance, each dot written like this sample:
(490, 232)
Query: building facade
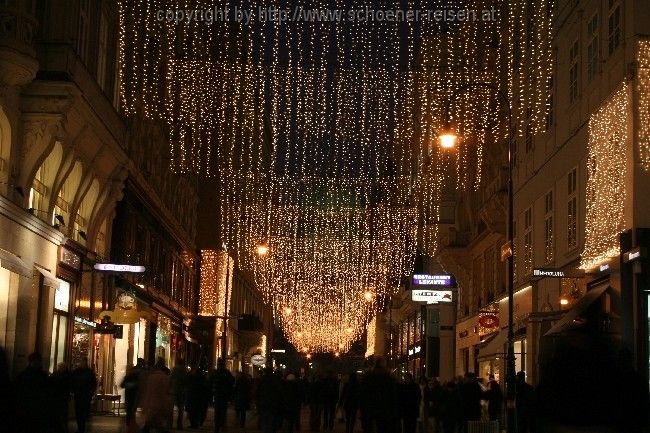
(73, 168)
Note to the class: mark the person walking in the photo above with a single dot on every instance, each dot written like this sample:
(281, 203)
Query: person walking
(410, 398)
(31, 397)
(437, 392)
(195, 396)
(293, 398)
(425, 405)
(350, 401)
(60, 388)
(450, 408)
(242, 397)
(179, 382)
(494, 397)
(269, 399)
(157, 403)
(84, 385)
(524, 403)
(330, 396)
(470, 397)
(379, 409)
(131, 384)
(222, 387)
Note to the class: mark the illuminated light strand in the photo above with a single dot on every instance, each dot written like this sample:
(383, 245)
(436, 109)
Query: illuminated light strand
(607, 169)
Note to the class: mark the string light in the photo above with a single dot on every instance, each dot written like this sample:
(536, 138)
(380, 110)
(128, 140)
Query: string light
(643, 92)
(607, 171)
(321, 137)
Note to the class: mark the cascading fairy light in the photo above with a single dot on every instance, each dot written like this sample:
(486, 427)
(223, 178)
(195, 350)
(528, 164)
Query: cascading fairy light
(643, 92)
(607, 171)
(321, 137)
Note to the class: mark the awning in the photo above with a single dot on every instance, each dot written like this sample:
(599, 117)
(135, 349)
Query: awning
(495, 347)
(567, 321)
(49, 279)
(13, 263)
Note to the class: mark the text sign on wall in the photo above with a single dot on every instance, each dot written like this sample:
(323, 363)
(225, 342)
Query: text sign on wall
(437, 280)
(111, 267)
(557, 273)
(431, 296)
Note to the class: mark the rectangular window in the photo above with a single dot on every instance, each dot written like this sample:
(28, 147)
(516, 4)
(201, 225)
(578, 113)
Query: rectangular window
(593, 52)
(574, 72)
(614, 26)
(102, 52)
(529, 138)
(572, 209)
(548, 227)
(82, 31)
(528, 241)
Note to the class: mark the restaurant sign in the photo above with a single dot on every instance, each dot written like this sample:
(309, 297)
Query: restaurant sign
(431, 296)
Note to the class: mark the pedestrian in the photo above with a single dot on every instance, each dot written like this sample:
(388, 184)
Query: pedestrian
(131, 384)
(84, 386)
(7, 397)
(330, 396)
(379, 410)
(32, 400)
(242, 397)
(450, 408)
(425, 405)
(179, 381)
(409, 398)
(195, 396)
(494, 397)
(350, 401)
(269, 400)
(436, 392)
(60, 388)
(157, 402)
(292, 398)
(525, 404)
(315, 397)
(222, 387)
(470, 397)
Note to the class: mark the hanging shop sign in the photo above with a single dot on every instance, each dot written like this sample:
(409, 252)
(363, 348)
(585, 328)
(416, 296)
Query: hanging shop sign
(557, 273)
(634, 254)
(258, 360)
(85, 321)
(435, 280)
(415, 350)
(489, 320)
(112, 267)
(431, 296)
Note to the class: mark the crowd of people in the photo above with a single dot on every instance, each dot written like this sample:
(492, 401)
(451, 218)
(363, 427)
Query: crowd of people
(376, 400)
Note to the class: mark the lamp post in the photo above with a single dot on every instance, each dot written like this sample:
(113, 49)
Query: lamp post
(448, 138)
(224, 336)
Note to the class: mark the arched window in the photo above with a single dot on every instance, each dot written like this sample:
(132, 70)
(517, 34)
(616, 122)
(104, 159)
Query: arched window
(80, 224)
(66, 196)
(43, 181)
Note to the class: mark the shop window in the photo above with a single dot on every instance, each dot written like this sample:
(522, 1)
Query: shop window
(520, 355)
(60, 324)
(8, 283)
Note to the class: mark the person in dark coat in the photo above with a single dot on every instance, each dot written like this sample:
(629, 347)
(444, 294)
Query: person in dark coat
(409, 401)
(350, 401)
(378, 404)
(242, 396)
(196, 385)
(32, 397)
(330, 397)
(269, 400)
(60, 387)
(7, 411)
(525, 404)
(84, 385)
(436, 392)
(470, 397)
(315, 397)
(222, 386)
(132, 383)
(494, 397)
(179, 380)
(450, 407)
(292, 393)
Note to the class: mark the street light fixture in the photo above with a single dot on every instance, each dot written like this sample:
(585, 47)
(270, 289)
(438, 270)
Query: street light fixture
(262, 249)
(448, 138)
(368, 295)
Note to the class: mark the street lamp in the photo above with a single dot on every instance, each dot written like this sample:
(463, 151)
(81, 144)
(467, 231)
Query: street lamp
(262, 249)
(448, 138)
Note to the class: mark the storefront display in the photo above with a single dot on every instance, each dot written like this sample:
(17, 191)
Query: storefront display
(60, 324)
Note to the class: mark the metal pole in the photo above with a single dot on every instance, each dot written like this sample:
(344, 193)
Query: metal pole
(224, 345)
(511, 392)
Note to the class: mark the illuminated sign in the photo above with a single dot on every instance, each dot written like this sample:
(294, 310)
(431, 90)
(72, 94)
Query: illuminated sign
(489, 321)
(557, 273)
(85, 321)
(603, 268)
(278, 351)
(258, 360)
(111, 267)
(442, 280)
(634, 254)
(431, 296)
